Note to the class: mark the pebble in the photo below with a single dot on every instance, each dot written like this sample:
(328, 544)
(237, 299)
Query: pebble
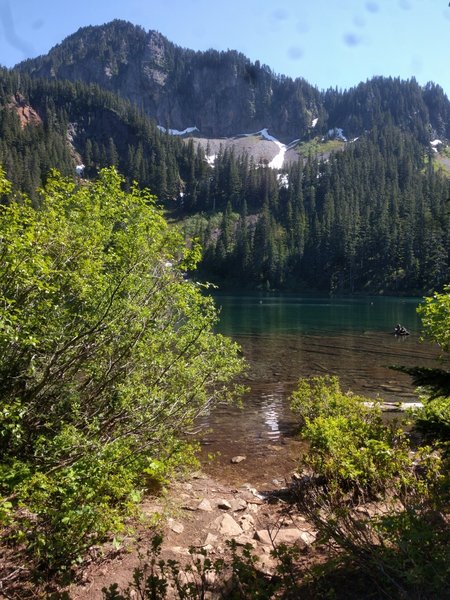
(205, 505)
(175, 527)
(229, 528)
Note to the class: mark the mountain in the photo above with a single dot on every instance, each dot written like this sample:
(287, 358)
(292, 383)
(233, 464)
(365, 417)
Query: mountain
(225, 94)
(335, 191)
(221, 93)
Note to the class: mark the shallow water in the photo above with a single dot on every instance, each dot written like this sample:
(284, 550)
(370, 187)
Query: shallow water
(287, 337)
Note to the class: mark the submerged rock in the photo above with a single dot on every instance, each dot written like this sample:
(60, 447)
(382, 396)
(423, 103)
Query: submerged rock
(237, 459)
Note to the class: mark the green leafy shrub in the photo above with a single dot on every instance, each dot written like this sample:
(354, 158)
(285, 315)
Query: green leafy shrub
(107, 357)
(321, 396)
(349, 445)
(433, 421)
(378, 505)
(415, 552)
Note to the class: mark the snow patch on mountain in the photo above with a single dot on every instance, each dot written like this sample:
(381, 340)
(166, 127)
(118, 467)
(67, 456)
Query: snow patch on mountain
(177, 131)
(266, 135)
(283, 180)
(278, 160)
(434, 145)
(436, 142)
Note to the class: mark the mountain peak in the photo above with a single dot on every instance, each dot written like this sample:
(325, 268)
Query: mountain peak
(224, 93)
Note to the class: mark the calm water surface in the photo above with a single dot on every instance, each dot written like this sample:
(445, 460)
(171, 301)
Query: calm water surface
(285, 337)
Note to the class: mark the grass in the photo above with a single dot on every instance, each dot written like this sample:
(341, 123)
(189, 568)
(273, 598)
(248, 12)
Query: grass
(445, 151)
(441, 161)
(317, 146)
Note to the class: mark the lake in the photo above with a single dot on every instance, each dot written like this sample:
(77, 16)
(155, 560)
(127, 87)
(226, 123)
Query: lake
(285, 337)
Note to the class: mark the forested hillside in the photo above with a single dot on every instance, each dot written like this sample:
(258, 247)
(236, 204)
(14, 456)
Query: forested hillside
(221, 93)
(373, 217)
(76, 123)
(361, 205)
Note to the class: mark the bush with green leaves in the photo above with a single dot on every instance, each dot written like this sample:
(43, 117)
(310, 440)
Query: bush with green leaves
(349, 444)
(107, 357)
(379, 504)
(434, 419)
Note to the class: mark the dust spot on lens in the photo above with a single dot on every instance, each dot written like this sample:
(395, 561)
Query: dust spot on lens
(295, 52)
(280, 15)
(351, 39)
(405, 4)
(38, 24)
(372, 7)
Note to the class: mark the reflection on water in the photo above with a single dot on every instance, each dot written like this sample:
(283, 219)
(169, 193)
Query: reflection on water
(264, 418)
(263, 430)
(271, 407)
(285, 338)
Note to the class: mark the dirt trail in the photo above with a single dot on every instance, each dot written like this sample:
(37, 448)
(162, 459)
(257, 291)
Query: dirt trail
(203, 513)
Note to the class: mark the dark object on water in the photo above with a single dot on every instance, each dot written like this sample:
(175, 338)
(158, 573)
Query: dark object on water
(400, 330)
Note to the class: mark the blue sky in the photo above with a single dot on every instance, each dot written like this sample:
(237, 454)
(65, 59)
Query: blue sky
(328, 42)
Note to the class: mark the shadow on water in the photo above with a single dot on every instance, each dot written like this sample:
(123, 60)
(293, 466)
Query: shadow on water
(286, 337)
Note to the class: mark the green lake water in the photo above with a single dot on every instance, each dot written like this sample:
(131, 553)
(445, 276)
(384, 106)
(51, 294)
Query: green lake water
(285, 337)
(263, 314)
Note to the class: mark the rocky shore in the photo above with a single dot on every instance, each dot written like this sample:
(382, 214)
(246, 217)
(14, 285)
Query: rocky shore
(202, 513)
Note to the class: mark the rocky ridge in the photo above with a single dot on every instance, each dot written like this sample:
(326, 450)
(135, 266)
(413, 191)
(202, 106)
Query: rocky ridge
(26, 113)
(223, 94)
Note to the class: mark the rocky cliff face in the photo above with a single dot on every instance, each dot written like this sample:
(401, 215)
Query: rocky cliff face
(26, 113)
(222, 93)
